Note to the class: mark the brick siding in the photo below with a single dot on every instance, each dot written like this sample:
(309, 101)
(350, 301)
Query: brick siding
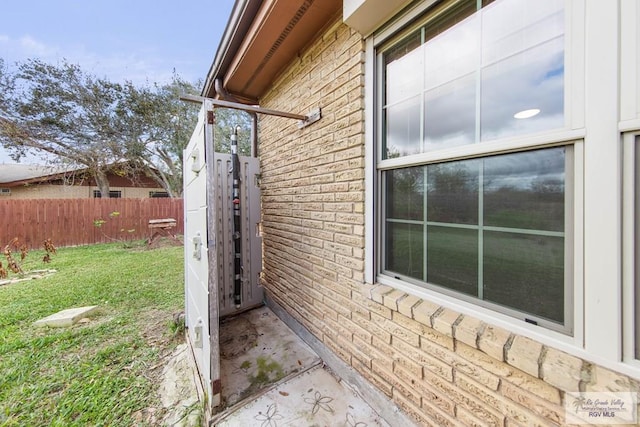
(442, 368)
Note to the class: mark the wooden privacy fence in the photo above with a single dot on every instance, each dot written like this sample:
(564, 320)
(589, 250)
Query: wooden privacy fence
(71, 222)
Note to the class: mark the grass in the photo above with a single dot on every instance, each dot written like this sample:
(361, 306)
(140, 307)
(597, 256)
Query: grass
(101, 373)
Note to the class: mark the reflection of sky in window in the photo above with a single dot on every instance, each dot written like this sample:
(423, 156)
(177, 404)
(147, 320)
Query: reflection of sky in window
(520, 171)
(520, 67)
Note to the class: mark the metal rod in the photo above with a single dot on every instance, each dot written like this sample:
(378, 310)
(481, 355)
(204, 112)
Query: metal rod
(237, 264)
(239, 106)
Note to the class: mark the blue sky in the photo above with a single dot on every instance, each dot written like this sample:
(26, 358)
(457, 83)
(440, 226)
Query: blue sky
(136, 40)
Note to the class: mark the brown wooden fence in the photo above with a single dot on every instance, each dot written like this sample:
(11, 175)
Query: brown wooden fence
(71, 222)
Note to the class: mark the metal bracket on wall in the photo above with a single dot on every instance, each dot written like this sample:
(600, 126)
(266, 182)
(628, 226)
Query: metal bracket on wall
(312, 117)
(304, 121)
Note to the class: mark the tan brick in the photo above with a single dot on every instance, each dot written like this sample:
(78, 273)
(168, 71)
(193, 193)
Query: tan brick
(409, 323)
(339, 351)
(391, 299)
(365, 291)
(376, 331)
(406, 304)
(468, 365)
(417, 414)
(424, 311)
(467, 418)
(434, 337)
(534, 385)
(548, 411)
(524, 354)
(402, 385)
(444, 321)
(433, 398)
(355, 329)
(603, 379)
(383, 347)
(375, 379)
(397, 331)
(492, 340)
(379, 309)
(483, 411)
(333, 328)
(361, 350)
(483, 361)
(467, 330)
(427, 361)
(562, 370)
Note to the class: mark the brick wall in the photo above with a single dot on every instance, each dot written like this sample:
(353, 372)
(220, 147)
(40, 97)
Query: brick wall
(441, 367)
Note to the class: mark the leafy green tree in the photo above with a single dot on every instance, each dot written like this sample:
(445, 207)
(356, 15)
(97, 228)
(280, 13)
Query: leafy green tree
(226, 120)
(81, 120)
(62, 111)
(158, 125)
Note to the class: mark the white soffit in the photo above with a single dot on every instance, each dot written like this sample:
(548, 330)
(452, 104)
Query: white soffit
(365, 16)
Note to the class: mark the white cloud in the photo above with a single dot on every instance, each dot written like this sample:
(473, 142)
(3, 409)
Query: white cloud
(138, 67)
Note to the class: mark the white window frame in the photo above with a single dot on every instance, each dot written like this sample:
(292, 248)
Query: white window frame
(571, 134)
(629, 249)
(596, 111)
(629, 127)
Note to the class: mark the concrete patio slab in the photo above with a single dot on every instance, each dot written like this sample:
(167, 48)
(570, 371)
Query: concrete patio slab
(256, 350)
(66, 318)
(312, 398)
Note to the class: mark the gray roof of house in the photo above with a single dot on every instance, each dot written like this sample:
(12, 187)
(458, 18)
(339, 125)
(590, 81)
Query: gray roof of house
(21, 172)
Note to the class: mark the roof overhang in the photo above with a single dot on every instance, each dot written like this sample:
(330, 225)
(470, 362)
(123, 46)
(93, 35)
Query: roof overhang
(365, 16)
(261, 38)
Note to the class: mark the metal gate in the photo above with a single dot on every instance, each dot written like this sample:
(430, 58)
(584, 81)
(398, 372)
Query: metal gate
(209, 247)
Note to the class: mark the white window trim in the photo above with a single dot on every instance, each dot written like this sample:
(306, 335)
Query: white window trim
(629, 248)
(592, 103)
(571, 134)
(630, 66)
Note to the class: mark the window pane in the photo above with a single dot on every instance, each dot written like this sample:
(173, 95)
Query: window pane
(525, 272)
(494, 74)
(404, 75)
(523, 67)
(403, 129)
(452, 192)
(404, 249)
(450, 114)
(405, 193)
(525, 190)
(452, 54)
(452, 258)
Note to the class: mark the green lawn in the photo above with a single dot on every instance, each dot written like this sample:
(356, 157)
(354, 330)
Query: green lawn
(99, 373)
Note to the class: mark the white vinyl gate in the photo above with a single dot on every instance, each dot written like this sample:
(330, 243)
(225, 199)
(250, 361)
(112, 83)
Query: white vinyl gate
(209, 247)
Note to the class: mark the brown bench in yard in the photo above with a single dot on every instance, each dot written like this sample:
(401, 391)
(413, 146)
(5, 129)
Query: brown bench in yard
(161, 227)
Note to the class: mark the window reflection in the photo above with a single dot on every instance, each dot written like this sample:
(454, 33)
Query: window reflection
(405, 193)
(452, 192)
(525, 190)
(504, 213)
(475, 73)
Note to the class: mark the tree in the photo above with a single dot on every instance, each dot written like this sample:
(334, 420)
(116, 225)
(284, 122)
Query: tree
(158, 127)
(82, 120)
(227, 119)
(62, 111)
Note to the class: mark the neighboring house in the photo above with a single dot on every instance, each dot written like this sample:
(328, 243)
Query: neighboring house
(461, 227)
(20, 181)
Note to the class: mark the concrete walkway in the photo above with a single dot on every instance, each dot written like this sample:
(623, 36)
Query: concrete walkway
(271, 377)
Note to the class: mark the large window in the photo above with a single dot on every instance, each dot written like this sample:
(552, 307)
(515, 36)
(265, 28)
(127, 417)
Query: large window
(467, 77)
(488, 225)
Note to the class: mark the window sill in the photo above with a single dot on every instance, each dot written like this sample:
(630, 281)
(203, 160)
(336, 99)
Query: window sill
(557, 368)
